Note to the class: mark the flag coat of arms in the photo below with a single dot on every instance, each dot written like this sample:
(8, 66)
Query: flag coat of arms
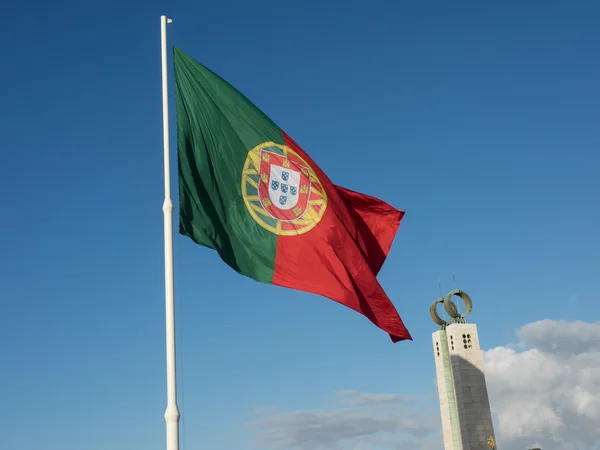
(284, 194)
(251, 193)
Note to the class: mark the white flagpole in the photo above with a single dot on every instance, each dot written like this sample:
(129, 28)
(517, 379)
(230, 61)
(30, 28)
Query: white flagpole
(172, 412)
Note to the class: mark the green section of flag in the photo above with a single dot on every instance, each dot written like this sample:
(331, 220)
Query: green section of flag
(216, 128)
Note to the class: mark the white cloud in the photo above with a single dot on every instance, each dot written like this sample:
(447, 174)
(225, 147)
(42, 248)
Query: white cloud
(358, 398)
(562, 337)
(548, 391)
(544, 391)
(362, 421)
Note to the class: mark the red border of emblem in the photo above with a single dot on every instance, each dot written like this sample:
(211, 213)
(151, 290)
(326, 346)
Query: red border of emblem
(267, 159)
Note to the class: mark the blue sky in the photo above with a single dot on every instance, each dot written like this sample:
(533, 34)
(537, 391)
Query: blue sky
(479, 119)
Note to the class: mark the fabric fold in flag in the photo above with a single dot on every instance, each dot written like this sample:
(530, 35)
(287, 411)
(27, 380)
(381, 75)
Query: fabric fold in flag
(252, 194)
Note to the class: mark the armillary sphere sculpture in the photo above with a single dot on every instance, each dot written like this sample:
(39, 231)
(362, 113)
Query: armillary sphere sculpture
(451, 309)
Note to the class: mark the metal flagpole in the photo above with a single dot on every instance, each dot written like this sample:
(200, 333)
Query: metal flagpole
(172, 412)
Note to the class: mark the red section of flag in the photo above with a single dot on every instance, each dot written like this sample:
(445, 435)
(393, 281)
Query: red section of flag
(379, 218)
(342, 255)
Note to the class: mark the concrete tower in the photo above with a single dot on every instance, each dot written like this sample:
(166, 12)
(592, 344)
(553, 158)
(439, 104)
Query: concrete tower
(464, 404)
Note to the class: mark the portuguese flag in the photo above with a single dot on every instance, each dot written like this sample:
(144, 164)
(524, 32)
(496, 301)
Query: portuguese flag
(248, 191)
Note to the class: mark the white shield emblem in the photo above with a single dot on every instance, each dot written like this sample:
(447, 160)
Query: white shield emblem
(284, 187)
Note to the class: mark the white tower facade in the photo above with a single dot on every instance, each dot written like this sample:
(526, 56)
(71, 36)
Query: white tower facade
(464, 403)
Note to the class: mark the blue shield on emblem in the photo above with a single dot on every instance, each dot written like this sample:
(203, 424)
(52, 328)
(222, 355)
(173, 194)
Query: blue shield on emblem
(274, 185)
(285, 175)
(293, 190)
(284, 188)
(282, 200)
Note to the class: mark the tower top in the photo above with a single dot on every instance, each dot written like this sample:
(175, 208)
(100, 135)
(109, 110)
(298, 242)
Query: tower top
(451, 309)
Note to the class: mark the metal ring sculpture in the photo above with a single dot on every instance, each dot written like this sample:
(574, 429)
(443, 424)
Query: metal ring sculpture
(434, 314)
(451, 309)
